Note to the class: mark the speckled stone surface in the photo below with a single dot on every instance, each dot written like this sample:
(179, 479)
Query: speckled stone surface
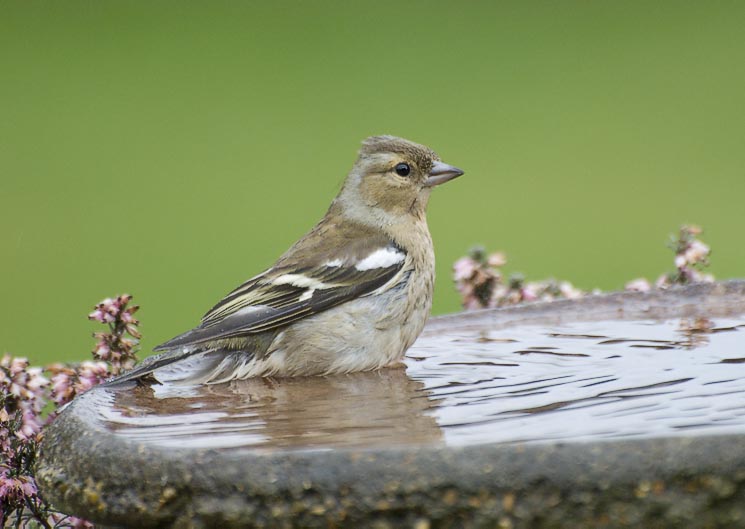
(696, 481)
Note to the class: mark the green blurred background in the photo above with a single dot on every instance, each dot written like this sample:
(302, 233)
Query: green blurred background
(173, 149)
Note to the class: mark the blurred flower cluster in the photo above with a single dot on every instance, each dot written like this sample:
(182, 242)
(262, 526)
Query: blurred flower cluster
(691, 257)
(25, 392)
(69, 381)
(22, 395)
(481, 283)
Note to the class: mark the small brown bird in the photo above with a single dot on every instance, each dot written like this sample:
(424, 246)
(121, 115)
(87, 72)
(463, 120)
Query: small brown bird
(351, 295)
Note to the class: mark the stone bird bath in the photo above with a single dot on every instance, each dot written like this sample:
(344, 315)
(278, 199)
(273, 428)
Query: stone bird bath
(619, 410)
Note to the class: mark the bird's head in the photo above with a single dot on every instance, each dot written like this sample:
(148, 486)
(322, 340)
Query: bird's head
(392, 179)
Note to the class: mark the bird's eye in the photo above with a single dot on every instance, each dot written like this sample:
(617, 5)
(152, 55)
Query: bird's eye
(402, 169)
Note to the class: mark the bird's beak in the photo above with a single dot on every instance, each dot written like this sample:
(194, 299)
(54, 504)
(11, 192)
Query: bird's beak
(441, 173)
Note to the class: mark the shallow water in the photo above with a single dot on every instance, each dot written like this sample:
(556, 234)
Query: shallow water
(581, 381)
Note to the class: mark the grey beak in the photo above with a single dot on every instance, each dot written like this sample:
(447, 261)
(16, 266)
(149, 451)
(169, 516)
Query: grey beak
(441, 173)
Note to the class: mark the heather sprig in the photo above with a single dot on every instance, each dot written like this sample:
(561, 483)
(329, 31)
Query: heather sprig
(691, 258)
(481, 283)
(113, 353)
(24, 393)
(113, 346)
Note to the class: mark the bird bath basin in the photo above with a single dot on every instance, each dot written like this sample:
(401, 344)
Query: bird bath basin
(622, 410)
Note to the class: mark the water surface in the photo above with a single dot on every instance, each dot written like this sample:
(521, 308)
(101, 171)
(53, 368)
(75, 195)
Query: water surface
(529, 383)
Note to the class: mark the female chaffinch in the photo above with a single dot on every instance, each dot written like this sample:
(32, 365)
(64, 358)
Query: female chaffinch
(351, 295)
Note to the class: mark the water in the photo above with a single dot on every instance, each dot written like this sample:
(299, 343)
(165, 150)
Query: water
(581, 381)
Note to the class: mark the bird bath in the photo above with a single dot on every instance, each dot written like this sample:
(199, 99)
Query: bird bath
(621, 410)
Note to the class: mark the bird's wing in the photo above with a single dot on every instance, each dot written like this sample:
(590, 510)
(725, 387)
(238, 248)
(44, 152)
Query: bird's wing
(288, 292)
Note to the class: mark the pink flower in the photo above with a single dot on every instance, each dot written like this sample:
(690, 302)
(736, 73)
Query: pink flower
(13, 490)
(36, 381)
(697, 252)
(110, 305)
(91, 374)
(102, 350)
(464, 268)
(529, 293)
(128, 318)
(63, 389)
(97, 315)
(30, 424)
(28, 488)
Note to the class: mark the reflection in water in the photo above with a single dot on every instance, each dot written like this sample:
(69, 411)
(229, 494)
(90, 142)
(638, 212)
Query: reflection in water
(579, 381)
(361, 409)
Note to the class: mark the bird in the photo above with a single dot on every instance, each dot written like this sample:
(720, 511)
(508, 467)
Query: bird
(352, 294)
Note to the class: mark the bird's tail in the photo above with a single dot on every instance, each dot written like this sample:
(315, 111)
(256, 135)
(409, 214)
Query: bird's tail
(149, 365)
(210, 366)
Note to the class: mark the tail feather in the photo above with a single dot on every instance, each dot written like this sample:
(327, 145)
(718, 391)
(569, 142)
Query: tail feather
(149, 365)
(213, 366)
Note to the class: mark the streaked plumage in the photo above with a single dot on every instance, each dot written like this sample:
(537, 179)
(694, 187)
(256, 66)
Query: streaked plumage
(351, 295)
